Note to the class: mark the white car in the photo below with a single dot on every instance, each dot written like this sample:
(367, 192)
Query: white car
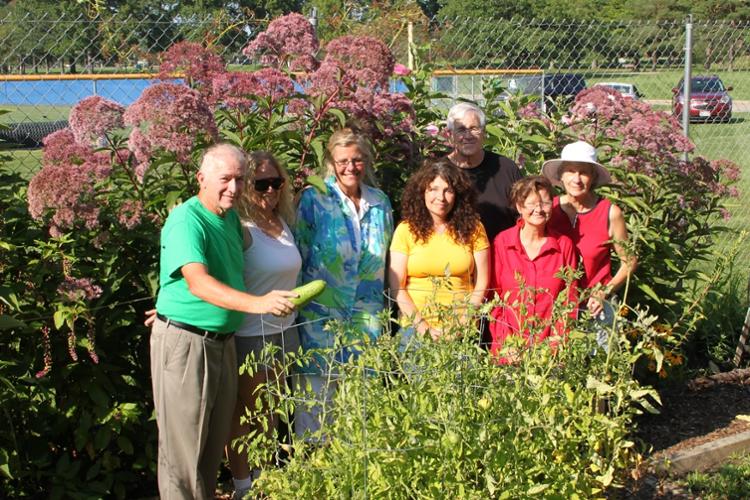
(626, 89)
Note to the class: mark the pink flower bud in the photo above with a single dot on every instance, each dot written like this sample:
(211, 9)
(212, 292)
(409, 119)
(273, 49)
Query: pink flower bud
(401, 70)
(431, 130)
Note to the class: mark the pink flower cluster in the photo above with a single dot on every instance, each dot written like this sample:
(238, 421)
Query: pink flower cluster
(168, 117)
(238, 90)
(651, 143)
(354, 77)
(288, 43)
(75, 289)
(362, 60)
(93, 117)
(65, 186)
(602, 109)
(131, 213)
(197, 63)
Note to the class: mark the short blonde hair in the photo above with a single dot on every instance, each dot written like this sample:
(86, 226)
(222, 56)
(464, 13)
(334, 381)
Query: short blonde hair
(246, 206)
(348, 137)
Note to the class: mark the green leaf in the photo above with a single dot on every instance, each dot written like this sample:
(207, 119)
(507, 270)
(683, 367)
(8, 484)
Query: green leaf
(598, 385)
(125, 445)
(536, 489)
(98, 396)
(318, 183)
(659, 358)
(9, 322)
(59, 318)
(650, 292)
(231, 136)
(317, 146)
(102, 438)
(340, 116)
(4, 466)
(172, 198)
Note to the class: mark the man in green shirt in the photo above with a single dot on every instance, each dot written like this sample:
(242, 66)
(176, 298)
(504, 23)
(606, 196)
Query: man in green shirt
(201, 302)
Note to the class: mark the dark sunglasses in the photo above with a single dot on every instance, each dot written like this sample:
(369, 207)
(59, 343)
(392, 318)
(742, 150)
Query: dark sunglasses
(262, 185)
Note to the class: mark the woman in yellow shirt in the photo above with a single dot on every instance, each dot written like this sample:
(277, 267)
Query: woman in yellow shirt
(439, 255)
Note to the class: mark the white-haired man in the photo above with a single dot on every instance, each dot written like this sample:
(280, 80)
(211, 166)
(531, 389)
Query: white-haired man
(201, 303)
(492, 174)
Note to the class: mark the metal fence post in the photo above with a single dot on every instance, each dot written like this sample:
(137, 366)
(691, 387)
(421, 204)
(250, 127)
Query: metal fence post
(314, 18)
(686, 79)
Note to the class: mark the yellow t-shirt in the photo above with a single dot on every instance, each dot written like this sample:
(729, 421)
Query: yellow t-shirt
(439, 257)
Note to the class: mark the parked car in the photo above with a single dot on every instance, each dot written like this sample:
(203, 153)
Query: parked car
(549, 87)
(626, 89)
(709, 99)
(562, 86)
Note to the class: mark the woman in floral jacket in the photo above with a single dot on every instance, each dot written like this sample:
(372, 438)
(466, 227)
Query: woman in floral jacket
(343, 234)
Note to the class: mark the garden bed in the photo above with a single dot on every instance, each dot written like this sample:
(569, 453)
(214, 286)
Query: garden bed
(696, 414)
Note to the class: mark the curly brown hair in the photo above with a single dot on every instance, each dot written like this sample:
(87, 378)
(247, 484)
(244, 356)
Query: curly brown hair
(462, 221)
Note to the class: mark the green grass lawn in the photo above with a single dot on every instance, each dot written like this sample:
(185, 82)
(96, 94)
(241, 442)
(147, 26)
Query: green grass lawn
(25, 162)
(34, 113)
(730, 481)
(659, 84)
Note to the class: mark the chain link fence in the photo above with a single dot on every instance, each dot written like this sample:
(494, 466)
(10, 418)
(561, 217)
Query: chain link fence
(52, 62)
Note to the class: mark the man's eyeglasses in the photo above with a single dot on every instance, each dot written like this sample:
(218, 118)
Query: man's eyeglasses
(262, 185)
(469, 130)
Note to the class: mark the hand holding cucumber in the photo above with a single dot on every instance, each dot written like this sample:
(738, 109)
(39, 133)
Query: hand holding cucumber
(307, 292)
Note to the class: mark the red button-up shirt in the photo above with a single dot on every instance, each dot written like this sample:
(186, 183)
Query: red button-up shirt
(527, 286)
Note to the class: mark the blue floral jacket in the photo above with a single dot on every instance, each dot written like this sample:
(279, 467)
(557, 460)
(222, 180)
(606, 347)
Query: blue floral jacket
(355, 277)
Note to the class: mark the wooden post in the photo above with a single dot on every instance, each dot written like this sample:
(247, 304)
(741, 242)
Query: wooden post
(742, 345)
(410, 45)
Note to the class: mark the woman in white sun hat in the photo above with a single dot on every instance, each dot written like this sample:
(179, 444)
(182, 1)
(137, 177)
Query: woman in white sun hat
(595, 225)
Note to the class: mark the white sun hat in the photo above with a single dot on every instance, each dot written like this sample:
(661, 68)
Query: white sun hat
(576, 152)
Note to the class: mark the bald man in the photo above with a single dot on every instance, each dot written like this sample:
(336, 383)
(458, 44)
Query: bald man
(201, 303)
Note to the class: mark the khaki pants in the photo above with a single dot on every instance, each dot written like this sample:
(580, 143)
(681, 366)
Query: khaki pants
(194, 381)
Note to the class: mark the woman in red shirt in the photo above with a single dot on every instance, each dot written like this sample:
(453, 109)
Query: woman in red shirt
(526, 264)
(595, 225)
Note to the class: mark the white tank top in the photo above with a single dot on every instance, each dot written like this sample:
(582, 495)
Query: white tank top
(270, 264)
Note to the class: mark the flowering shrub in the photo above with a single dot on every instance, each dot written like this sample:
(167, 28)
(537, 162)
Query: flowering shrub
(198, 64)
(168, 118)
(288, 43)
(65, 186)
(93, 118)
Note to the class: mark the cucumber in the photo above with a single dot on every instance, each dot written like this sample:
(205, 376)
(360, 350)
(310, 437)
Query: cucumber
(307, 292)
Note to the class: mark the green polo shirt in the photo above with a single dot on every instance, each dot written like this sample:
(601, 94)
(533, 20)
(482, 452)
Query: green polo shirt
(192, 233)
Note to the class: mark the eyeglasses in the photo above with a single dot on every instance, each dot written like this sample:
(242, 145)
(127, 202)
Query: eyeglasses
(470, 130)
(262, 185)
(357, 162)
(544, 205)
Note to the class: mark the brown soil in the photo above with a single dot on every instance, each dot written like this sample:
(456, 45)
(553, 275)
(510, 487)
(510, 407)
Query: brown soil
(692, 414)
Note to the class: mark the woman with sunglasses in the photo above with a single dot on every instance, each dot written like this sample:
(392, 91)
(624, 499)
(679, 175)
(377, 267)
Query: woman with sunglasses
(343, 232)
(526, 262)
(272, 262)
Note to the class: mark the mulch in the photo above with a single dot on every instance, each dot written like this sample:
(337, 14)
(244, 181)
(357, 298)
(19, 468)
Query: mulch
(697, 412)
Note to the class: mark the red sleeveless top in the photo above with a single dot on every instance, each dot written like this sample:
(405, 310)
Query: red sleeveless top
(590, 234)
